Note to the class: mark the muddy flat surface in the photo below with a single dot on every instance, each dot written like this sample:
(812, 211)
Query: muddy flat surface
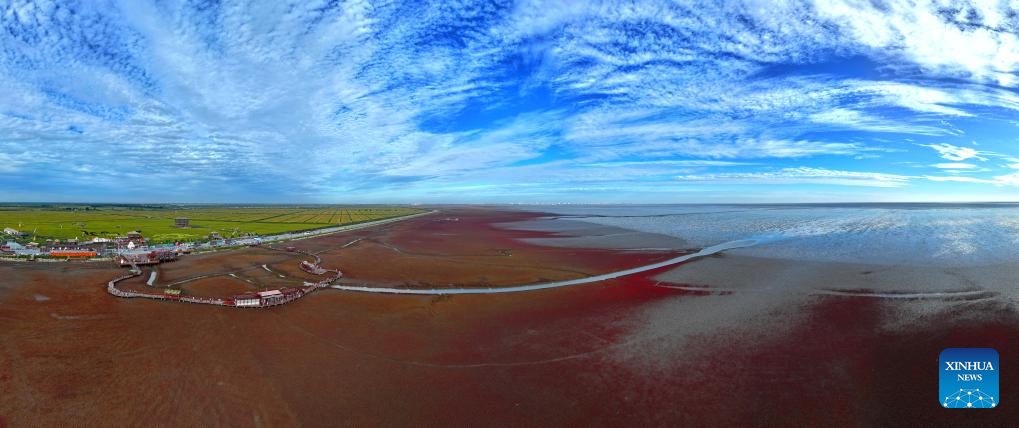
(642, 350)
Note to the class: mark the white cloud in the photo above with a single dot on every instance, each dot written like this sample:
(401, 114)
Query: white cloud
(803, 175)
(954, 165)
(679, 163)
(961, 179)
(1008, 179)
(955, 153)
(327, 99)
(1000, 180)
(856, 120)
(964, 39)
(9, 163)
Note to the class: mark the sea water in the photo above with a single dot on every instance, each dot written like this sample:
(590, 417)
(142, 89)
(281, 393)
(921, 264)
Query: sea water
(916, 234)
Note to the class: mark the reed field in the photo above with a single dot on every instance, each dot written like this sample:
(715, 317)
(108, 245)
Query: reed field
(156, 223)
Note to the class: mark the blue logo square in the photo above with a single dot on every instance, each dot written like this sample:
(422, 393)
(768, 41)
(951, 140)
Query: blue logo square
(969, 378)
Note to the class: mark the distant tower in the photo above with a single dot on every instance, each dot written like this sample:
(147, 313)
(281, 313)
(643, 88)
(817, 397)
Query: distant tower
(182, 222)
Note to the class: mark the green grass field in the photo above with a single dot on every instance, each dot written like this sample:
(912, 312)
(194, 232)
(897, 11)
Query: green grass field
(156, 223)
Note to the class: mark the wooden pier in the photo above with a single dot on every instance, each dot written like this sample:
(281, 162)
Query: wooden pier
(264, 299)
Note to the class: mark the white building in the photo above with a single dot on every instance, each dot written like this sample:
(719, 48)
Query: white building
(271, 297)
(12, 232)
(247, 300)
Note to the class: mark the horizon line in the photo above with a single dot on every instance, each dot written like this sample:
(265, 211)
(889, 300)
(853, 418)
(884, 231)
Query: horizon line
(422, 204)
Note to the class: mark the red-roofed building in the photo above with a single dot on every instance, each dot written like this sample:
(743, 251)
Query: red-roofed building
(72, 253)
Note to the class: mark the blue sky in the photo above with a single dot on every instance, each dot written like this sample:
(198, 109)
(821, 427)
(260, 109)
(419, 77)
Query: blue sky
(530, 102)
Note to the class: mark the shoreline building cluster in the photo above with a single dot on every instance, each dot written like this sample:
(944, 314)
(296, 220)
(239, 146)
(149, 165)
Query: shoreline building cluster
(132, 243)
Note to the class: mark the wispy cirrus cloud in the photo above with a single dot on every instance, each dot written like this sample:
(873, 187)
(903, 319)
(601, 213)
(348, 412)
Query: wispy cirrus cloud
(345, 100)
(954, 165)
(1000, 180)
(852, 119)
(803, 175)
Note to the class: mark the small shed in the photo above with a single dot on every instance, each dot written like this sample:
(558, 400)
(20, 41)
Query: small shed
(247, 300)
(271, 297)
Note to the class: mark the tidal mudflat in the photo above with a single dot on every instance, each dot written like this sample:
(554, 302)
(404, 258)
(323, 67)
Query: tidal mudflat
(734, 338)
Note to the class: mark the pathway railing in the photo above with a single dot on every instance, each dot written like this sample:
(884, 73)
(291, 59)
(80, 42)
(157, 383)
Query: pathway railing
(312, 268)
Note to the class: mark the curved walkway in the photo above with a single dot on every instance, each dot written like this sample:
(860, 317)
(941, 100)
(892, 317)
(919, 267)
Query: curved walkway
(315, 269)
(555, 284)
